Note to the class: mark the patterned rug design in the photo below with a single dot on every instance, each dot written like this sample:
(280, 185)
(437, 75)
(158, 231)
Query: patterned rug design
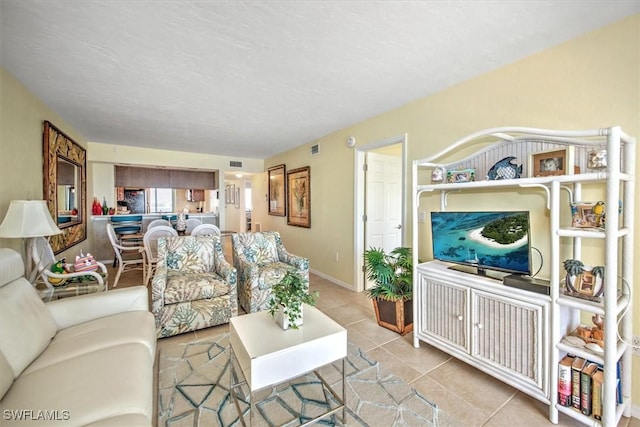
(194, 391)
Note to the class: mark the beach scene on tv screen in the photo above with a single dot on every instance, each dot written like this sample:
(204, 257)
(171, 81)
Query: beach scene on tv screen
(492, 240)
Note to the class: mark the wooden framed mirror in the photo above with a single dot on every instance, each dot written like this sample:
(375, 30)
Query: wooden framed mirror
(65, 186)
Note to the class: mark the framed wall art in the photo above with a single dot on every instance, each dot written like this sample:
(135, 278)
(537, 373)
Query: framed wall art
(553, 162)
(277, 190)
(230, 194)
(299, 197)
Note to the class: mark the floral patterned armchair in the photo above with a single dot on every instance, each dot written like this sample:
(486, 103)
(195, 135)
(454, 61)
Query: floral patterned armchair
(194, 287)
(262, 261)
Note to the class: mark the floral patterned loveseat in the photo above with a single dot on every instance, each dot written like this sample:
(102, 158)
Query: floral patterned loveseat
(194, 287)
(262, 261)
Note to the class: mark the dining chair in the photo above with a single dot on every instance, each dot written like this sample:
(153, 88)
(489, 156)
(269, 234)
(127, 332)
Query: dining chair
(150, 243)
(157, 222)
(205, 230)
(191, 224)
(128, 228)
(128, 258)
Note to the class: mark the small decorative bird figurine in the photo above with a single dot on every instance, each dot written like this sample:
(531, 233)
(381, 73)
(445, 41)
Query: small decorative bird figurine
(598, 211)
(58, 267)
(504, 169)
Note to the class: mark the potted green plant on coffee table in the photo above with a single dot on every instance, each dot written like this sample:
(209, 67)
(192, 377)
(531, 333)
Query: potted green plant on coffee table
(392, 294)
(287, 298)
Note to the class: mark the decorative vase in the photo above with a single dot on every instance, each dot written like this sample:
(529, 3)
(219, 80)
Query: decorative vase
(282, 319)
(181, 224)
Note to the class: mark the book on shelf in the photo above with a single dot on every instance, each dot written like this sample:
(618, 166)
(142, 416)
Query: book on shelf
(596, 394)
(564, 380)
(619, 384)
(586, 392)
(576, 373)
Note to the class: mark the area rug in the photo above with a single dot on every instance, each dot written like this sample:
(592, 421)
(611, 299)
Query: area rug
(194, 383)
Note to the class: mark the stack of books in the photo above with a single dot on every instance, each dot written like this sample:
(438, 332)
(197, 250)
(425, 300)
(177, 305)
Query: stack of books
(580, 385)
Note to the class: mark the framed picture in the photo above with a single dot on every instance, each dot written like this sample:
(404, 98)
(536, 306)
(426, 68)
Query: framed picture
(551, 163)
(438, 173)
(230, 194)
(277, 191)
(586, 283)
(587, 214)
(299, 197)
(464, 175)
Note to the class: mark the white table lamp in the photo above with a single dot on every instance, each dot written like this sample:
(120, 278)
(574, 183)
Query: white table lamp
(27, 219)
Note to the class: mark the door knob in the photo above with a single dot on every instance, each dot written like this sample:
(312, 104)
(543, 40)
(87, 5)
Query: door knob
(399, 226)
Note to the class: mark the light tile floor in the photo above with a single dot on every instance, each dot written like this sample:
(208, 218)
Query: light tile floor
(472, 397)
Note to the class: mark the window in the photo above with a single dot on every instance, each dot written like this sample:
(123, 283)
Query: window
(160, 200)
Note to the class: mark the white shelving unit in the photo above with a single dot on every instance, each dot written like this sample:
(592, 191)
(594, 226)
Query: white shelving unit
(450, 307)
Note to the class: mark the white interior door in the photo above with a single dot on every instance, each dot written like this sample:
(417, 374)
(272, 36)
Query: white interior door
(383, 203)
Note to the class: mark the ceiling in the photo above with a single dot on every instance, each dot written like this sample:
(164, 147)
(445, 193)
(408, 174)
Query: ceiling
(256, 78)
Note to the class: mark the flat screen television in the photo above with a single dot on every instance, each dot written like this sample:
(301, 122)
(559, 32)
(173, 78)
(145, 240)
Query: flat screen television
(496, 241)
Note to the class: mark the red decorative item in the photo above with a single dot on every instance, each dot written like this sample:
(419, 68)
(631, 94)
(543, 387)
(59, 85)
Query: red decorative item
(96, 208)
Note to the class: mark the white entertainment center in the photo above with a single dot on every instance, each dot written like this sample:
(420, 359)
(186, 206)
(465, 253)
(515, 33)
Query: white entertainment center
(513, 334)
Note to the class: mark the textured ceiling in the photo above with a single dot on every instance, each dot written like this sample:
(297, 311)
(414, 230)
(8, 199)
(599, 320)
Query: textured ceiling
(254, 79)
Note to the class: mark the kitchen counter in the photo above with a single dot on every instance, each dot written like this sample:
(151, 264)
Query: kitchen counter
(152, 216)
(102, 250)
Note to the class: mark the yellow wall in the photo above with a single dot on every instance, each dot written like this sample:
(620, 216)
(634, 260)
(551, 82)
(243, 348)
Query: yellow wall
(588, 82)
(21, 118)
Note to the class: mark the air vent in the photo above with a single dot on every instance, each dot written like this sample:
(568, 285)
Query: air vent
(235, 164)
(315, 149)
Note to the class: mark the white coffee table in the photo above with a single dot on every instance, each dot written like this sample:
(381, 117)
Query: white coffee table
(268, 355)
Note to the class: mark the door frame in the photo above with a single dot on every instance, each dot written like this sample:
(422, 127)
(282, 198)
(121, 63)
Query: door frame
(359, 211)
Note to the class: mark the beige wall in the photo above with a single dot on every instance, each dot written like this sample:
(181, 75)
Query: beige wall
(589, 82)
(21, 177)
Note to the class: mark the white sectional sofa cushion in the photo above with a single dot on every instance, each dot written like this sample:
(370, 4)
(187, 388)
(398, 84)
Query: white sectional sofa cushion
(80, 361)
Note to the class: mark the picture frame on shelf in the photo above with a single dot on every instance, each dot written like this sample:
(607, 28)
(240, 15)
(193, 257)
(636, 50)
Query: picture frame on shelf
(438, 174)
(583, 281)
(299, 197)
(553, 162)
(587, 214)
(277, 190)
(463, 175)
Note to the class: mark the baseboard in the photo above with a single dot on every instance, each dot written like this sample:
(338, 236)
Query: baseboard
(635, 411)
(332, 279)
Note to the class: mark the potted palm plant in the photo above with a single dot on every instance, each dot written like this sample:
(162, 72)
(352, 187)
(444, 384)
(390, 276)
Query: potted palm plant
(392, 295)
(287, 298)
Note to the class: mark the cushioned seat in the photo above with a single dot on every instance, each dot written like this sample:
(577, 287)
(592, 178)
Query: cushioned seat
(86, 360)
(190, 287)
(86, 388)
(96, 335)
(262, 261)
(194, 287)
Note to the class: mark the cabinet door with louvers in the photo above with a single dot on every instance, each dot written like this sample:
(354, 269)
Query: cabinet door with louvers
(509, 333)
(445, 312)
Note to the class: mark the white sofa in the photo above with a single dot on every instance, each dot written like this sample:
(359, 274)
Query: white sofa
(86, 360)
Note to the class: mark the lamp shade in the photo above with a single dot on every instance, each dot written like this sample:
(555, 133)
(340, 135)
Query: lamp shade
(28, 218)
